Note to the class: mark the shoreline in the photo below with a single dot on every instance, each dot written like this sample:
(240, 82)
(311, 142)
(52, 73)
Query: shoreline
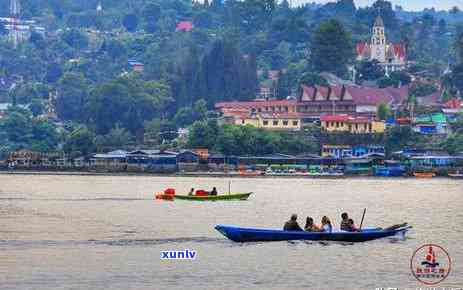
(203, 174)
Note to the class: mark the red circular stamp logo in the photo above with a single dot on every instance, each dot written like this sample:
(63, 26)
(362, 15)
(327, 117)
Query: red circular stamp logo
(430, 264)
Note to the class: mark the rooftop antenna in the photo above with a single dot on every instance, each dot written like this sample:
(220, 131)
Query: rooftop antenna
(15, 10)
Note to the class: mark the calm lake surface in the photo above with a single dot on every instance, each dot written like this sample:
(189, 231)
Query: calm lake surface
(106, 232)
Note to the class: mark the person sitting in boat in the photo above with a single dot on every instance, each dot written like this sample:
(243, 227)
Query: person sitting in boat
(352, 226)
(326, 225)
(213, 192)
(292, 224)
(347, 224)
(192, 192)
(310, 226)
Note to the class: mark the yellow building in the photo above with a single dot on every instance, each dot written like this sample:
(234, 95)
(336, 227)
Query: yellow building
(353, 125)
(286, 121)
(277, 115)
(268, 121)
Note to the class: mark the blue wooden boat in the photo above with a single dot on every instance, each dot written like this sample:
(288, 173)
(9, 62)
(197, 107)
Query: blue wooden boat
(389, 171)
(238, 234)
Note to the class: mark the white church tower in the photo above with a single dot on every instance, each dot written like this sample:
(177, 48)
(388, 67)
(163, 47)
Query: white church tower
(378, 41)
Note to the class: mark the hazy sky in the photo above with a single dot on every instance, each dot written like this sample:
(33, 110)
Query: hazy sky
(406, 4)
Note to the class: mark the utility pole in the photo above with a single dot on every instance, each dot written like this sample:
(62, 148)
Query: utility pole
(15, 10)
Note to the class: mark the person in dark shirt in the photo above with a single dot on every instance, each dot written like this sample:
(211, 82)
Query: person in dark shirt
(345, 224)
(292, 224)
(192, 192)
(344, 221)
(214, 191)
(310, 226)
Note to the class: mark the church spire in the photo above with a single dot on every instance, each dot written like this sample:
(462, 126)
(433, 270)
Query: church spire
(379, 21)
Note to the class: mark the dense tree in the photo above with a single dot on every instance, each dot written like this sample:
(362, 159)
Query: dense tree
(313, 79)
(36, 107)
(128, 101)
(226, 74)
(369, 70)
(116, 49)
(188, 115)
(398, 137)
(20, 131)
(248, 140)
(422, 89)
(116, 138)
(332, 48)
(151, 15)
(80, 141)
(203, 134)
(130, 22)
(25, 92)
(395, 79)
(454, 143)
(75, 39)
(457, 78)
(45, 137)
(458, 46)
(383, 111)
(17, 126)
(72, 94)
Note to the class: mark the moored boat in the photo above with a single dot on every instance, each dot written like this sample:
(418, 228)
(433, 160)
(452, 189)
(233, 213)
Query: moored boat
(239, 234)
(456, 175)
(250, 173)
(232, 196)
(424, 174)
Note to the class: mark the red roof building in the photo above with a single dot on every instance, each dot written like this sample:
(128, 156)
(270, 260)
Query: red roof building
(184, 26)
(453, 104)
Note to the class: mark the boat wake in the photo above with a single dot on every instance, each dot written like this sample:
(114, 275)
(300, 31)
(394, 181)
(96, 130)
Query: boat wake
(74, 199)
(112, 242)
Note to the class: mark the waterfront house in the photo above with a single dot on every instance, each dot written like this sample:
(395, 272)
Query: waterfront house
(267, 160)
(432, 161)
(366, 150)
(390, 168)
(336, 151)
(187, 160)
(25, 159)
(431, 124)
(79, 162)
(346, 151)
(359, 166)
(152, 161)
(111, 161)
(220, 162)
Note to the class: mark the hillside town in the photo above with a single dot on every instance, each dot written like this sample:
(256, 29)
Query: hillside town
(354, 117)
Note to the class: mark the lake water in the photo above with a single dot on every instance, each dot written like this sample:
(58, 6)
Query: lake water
(107, 232)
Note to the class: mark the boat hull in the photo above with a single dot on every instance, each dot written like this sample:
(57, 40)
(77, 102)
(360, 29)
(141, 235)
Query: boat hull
(424, 174)
(238, 234)
(233, 196)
